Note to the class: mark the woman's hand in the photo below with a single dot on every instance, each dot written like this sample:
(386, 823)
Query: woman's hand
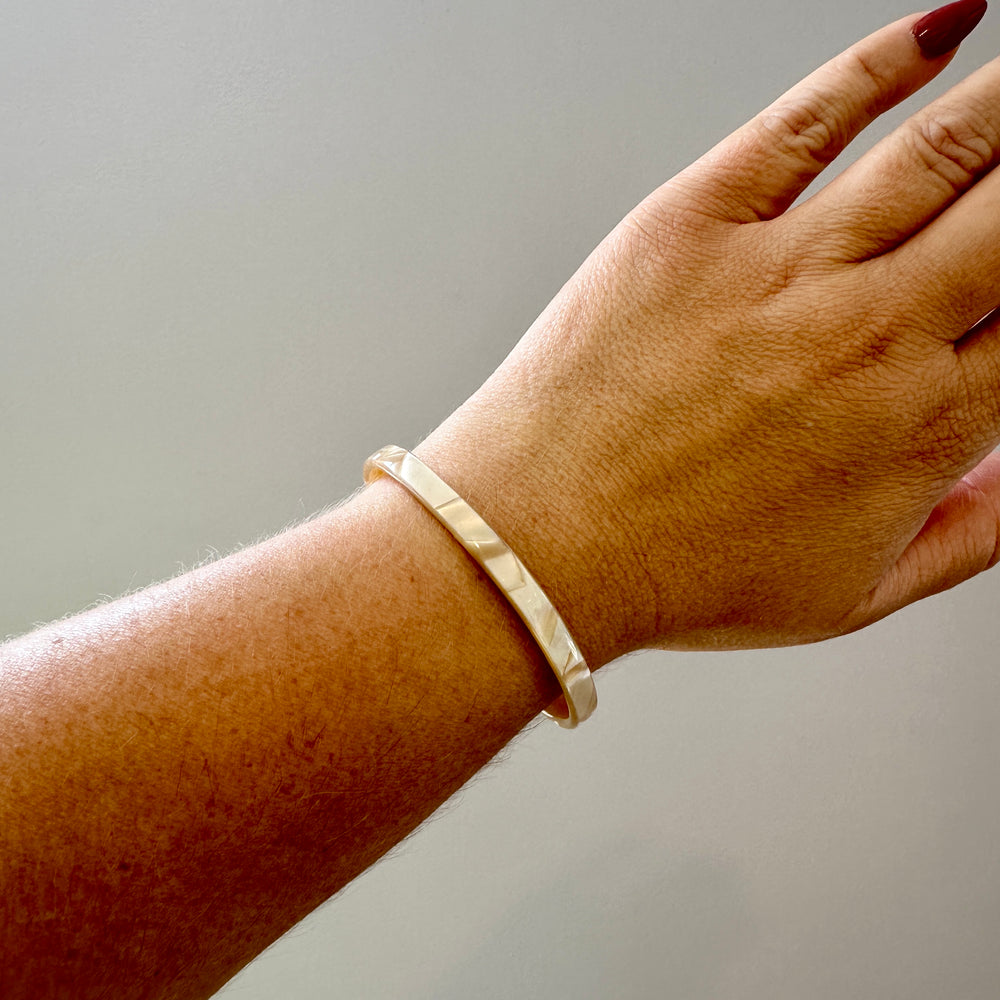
(741, 424)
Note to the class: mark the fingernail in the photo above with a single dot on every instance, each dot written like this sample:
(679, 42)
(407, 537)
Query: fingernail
(943, 29)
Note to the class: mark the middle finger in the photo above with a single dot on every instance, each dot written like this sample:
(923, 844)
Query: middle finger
(910, 177)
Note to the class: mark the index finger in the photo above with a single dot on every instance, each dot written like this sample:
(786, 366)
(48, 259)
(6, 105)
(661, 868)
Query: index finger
(758, 171)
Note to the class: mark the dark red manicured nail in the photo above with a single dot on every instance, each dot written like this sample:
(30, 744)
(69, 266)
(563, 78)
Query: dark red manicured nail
(943, 29)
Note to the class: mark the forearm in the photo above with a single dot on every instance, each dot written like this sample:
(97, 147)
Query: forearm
(710, 439)
(190, 770)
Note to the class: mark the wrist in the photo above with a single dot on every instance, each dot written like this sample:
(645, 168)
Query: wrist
(536, 500)
(439, 591)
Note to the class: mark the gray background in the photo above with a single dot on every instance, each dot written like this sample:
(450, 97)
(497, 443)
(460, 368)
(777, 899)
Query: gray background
(245, 244)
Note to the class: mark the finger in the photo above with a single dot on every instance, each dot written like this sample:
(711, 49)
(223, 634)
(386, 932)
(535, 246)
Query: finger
(947, 273)
(758, 171)
(911, 176)
(960, 539)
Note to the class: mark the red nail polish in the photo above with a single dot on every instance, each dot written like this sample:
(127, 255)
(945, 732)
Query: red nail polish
(943, 29)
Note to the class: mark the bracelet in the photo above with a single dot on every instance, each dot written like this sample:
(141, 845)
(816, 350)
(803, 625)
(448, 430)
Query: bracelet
(579, 697)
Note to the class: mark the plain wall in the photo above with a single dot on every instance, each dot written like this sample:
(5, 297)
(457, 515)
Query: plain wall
(244, 244)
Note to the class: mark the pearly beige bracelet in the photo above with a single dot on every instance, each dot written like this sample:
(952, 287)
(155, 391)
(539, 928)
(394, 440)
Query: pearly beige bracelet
(579, 697)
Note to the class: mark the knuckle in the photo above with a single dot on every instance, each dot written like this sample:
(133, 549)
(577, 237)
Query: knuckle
(655, 240)
(650, 234)
(958, 146)
(878, 86)
(807, 130)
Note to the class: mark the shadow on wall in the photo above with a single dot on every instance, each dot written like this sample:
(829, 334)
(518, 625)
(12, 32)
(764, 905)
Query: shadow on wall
(677, 923)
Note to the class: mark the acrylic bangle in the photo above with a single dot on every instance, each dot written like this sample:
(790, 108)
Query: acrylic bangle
(579, 697)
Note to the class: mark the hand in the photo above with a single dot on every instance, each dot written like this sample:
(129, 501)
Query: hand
(740, 425)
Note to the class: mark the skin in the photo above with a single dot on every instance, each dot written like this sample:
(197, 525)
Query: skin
(738, 424)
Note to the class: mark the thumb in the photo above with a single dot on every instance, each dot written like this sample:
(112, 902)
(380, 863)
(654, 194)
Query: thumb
(960, 539)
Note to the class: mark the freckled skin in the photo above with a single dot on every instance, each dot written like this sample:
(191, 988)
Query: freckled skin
(205, 810)
(737, 425)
